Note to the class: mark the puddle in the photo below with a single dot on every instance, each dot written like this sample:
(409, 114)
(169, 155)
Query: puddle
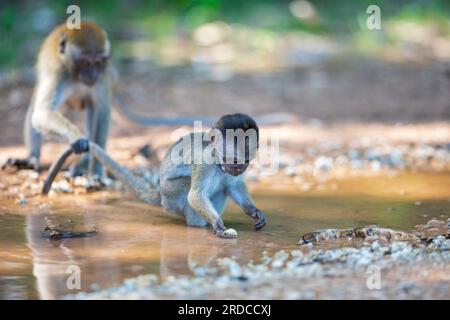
(135, 239)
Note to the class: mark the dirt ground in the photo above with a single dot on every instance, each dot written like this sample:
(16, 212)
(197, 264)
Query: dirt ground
(337, 100)
(336, 91)
(346, 120)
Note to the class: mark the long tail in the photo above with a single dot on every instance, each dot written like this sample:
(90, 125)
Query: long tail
(54, 169)
(138, 186)
(265, 119)
(157, 121)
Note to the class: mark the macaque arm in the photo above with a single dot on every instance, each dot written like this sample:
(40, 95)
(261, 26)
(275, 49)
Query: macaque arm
(45, 118)
(241, 196)
(203, 206)
(198, 198)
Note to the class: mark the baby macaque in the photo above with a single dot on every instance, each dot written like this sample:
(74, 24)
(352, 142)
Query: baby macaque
(199, 192)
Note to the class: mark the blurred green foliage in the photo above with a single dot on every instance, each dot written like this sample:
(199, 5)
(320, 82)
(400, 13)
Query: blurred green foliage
(23, 24)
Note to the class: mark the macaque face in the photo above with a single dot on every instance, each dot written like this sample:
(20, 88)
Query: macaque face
(235, 159)
(88, 68)
(235, 139)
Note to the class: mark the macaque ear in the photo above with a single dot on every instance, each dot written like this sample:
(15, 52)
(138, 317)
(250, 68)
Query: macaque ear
(62, 43)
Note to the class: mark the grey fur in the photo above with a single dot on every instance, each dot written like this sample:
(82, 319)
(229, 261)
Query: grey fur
(196, 192)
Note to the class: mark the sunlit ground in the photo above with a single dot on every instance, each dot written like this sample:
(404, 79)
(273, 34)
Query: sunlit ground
(362, 117)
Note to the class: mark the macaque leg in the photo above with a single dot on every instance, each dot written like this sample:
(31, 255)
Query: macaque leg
(33, 139)
(96, 130)
(102, 119)
(81, 167)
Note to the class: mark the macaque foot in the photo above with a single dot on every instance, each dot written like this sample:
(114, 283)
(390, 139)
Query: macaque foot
(100, 181)
(92, 183)
(77, 170)
(30, 163)
(81, 169)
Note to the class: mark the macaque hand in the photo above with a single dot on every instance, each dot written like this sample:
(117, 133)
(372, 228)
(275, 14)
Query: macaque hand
(80, 146)
(260, 219)
(222, 232)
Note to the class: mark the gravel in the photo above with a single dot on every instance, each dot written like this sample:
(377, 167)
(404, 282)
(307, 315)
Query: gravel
(406, 269)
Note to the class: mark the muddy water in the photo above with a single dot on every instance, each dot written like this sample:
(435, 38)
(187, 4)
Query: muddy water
(135, 239)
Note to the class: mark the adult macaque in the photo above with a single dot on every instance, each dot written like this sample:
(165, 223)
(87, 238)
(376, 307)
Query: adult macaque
(73, 70)
(196, 191)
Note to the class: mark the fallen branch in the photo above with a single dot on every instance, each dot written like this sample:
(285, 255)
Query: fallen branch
(53, 233)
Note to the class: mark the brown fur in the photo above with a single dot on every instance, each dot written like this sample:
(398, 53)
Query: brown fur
(90, 37)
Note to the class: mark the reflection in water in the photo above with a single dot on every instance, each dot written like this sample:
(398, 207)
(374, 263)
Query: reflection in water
(49, 273)
(16, 279)
(51, 259)
(135, 239)
(178, 257)
(104, 260)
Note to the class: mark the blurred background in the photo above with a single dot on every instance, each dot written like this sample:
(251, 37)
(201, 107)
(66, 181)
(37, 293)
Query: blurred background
(259, 35)
(369, 144)
(315, 60)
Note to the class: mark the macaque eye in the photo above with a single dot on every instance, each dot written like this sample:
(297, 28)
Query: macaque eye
(62, 43)
(101, 61)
